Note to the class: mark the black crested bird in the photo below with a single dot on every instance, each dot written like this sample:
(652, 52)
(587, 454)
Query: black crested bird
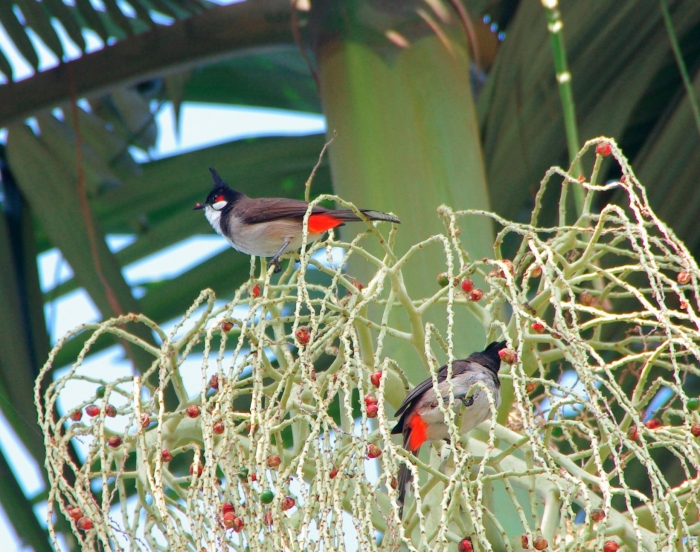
(421, 419)
(269, 226)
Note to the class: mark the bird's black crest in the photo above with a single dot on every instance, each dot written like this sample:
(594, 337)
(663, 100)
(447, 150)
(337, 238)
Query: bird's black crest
(218, 181)
(489, 357)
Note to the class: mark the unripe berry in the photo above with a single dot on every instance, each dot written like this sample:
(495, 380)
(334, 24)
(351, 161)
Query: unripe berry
(166, 455)
(92, 410)
(114, 441)
(267, 496)
(273, 461)
(192, 411)
(693, 404)
(84, 524)
(467, 285)
(100, 392)
(375, 378)
(443, 279)
(218, 427)
(373, 451)
(287, 503)
(302, 334)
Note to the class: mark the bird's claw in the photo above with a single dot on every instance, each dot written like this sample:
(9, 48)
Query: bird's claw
(275, 263)
(467, 401)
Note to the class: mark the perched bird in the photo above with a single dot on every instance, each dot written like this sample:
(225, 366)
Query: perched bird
(421, 419)
(269, 226)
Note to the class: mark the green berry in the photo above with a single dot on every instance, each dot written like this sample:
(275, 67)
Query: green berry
(101, 391)
(557, 432)
(443, 279)
(243, 473)
(693, 404)
(266, 497)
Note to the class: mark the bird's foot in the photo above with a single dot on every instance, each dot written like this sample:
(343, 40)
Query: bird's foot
(276, 263)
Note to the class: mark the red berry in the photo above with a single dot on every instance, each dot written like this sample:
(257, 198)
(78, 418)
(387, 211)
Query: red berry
(268, 517)
(611, 546)
(695, 430)
(253, 476)
(84, 524)
(218, 427)
(375, 378)
(76, 416)
(226, 326)
(74, 512)
(524, 542)
(227, 508)
(370, 399)
(92, 410)
(537, 327)
(198, 466)
(373, 451)
(654, 423)
(256, 291)
(509, 356)
(333, 472)
(683, 305)
(372, 410)
(214, 382)
(192, 411)
(273, 461)
(633, 433)
(603, 149)
(597, 514)
(394, 483)
(287, 503)
(536, 272)
(476, 295)
(586, 298)
(110, 411)
(229, 520)
(529, 387)
(540, 543)
(683, 277)
(467, 285)
(237, 524)
(465, 545)
(145, 420)
(302, 334)
(166, 455)
(114, 441)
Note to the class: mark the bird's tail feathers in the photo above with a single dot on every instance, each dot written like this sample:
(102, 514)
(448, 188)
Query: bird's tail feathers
(405, 478)
(348, 215)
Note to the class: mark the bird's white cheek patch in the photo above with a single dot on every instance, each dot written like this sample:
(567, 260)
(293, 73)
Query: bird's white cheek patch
(219, 205)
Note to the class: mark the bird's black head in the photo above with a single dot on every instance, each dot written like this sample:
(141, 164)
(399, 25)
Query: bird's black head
(221, 196)
(489, 357)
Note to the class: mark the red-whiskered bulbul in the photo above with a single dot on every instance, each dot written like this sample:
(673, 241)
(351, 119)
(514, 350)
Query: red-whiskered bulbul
(269, 226)
(421, 419)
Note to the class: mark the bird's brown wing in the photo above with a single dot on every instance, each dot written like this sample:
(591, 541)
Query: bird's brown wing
(263, 209)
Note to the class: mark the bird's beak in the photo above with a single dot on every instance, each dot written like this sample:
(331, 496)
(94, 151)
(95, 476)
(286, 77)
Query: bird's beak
(198, 206)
